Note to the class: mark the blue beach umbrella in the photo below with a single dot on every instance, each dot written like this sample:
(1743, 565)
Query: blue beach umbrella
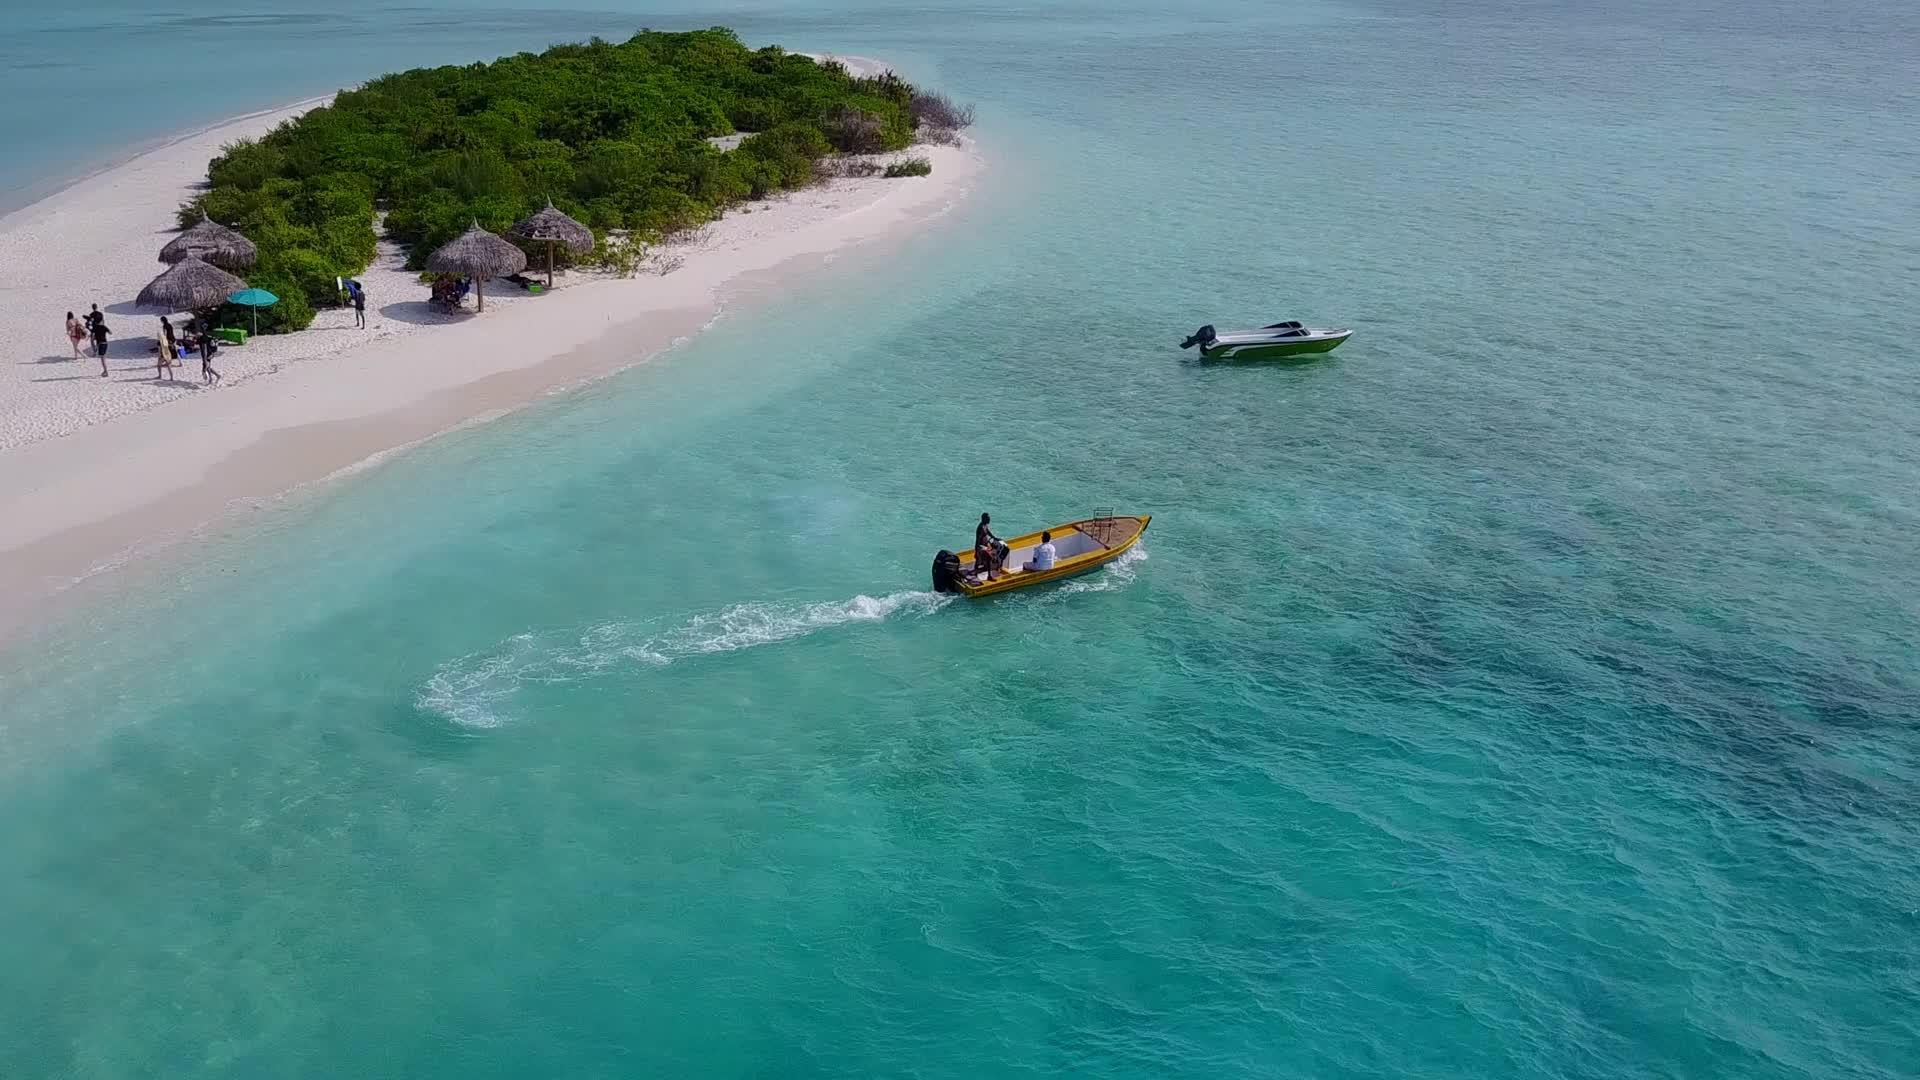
(255, 299)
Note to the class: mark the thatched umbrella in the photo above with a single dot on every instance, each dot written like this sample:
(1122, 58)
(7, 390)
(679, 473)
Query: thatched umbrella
(554, 227)
(189, 285)
(214, 242)
(480, 255)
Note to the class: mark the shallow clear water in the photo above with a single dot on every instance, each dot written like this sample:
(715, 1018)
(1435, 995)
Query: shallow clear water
(1527, 689)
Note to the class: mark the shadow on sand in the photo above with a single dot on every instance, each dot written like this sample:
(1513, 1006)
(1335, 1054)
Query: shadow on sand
(131, 349)
(423, 313)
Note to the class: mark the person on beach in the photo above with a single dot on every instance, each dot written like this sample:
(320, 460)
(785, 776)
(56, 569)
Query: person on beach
(97, 325)
(207, 375)
(164, 353)
(359, 304)
(76, 333)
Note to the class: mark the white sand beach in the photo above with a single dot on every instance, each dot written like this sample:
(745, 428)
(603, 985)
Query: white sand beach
(79, 489)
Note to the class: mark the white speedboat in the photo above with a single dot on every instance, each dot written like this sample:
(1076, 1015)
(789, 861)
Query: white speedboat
(1282, 339)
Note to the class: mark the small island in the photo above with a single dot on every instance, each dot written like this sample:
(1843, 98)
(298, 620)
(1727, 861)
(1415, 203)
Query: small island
(640, 141)
(676, 165)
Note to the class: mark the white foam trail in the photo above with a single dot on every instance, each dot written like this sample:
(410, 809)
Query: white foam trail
(465, 690)
(743, 626)
(1117, 574)
(471, 690)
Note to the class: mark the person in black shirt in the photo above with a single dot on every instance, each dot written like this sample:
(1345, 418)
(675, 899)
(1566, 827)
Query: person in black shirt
(207, 349)
(359, 306)
(986, 548)
(97, 327)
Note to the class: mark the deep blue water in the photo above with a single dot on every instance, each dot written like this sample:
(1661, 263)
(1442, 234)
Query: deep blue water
(1528, 689)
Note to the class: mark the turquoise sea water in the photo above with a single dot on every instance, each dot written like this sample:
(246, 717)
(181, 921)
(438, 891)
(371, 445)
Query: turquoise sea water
(1529, 689)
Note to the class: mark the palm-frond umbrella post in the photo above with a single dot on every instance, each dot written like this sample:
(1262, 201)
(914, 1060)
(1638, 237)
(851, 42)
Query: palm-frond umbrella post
(479, 255)
(213, 242)
(192, 284)
(553, 227)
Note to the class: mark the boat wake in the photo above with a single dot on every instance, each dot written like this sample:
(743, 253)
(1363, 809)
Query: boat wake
(472, 690)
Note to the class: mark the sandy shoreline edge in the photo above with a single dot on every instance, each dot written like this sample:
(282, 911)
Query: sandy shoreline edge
(93, 470)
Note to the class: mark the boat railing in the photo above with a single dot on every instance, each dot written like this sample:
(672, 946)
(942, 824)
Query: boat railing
(1100, 527)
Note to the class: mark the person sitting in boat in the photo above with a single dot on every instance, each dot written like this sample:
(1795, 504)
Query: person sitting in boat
(1042, 556)
(988, 551)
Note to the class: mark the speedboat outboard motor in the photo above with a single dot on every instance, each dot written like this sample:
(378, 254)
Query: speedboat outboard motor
(946, 572)
(1203, 337)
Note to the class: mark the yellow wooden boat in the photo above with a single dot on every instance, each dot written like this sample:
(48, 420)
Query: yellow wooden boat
(1079, 546)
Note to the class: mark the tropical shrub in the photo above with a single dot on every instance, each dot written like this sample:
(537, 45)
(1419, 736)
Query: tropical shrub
(617, 254)
(938, 112)
(293, 312)
(913, 166)
(855, 131)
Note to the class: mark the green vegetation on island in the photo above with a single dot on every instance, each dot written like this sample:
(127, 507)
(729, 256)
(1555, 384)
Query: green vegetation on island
(615, 134)
(913, 166)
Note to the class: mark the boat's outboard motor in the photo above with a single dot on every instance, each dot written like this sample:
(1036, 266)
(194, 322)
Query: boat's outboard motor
(1203, 337)
(946, 572)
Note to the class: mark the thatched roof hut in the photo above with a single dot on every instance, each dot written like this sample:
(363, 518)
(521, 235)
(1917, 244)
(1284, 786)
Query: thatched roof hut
(213, 242)
(189, 285)
(479, 255)
(552, 227)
